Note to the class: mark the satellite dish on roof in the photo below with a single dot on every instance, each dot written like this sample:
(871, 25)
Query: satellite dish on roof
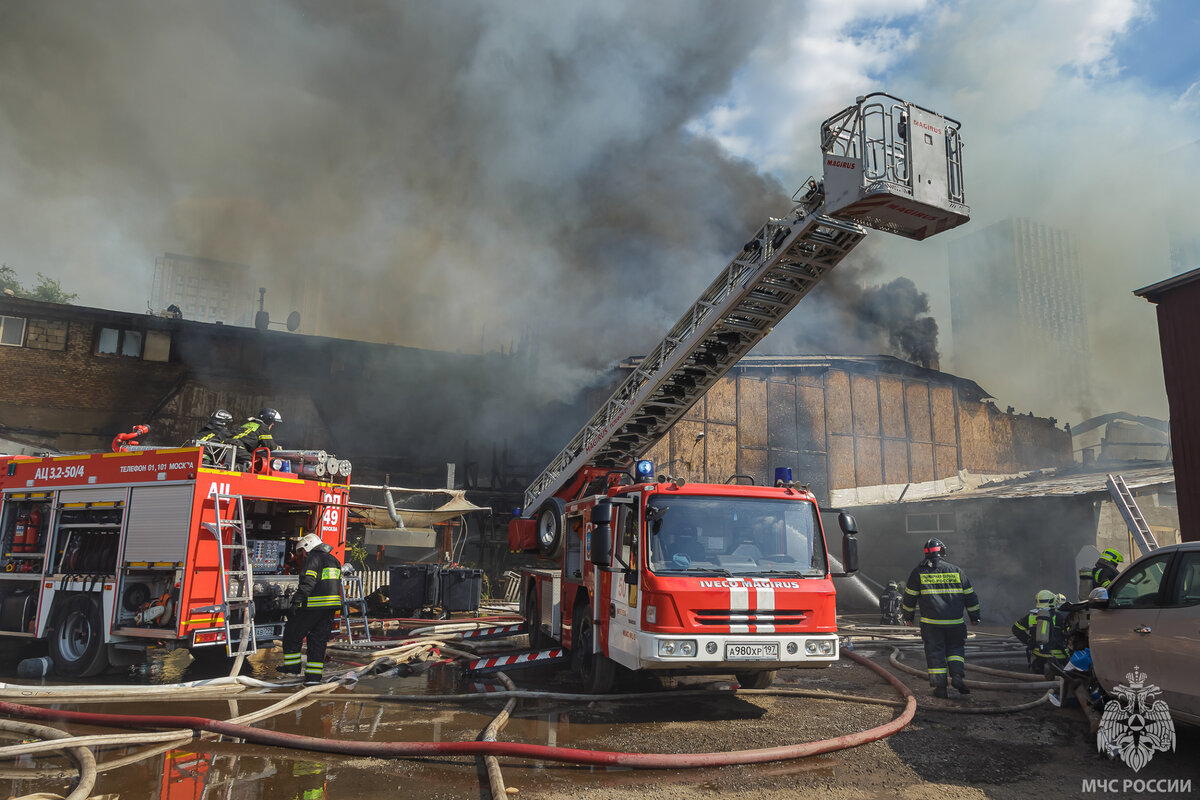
(293, 321)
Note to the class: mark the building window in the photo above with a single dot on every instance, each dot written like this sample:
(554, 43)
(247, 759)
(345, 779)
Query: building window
(12, 331)
(930, 524)
(119, 342)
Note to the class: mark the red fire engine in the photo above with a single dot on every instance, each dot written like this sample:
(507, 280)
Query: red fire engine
(676, 577)
(106, 554)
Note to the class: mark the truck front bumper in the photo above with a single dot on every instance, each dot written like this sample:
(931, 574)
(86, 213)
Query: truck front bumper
(736, 651)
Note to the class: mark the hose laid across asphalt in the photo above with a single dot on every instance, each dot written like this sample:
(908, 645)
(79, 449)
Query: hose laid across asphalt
(516, 750)
(83, 758)
(894, 659)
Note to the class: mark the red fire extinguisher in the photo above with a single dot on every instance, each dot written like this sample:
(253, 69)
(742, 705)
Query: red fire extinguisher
(33, 530)
(19, 536)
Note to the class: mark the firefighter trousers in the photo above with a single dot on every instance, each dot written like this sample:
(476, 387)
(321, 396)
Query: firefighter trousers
(945, 646)
(315, 625)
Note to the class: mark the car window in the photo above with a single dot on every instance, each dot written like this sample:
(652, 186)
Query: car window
(1186, 591)
(1138, 586)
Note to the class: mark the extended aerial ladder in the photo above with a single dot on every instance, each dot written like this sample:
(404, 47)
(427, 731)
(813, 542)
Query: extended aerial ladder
(888, 165)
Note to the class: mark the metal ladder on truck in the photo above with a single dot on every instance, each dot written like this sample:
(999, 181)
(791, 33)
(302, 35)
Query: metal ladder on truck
(354, 607)
(889, 165)
(237, 578)
(1134, 520)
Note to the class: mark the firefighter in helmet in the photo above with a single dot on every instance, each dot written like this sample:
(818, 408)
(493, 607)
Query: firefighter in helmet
(1043, 631)
(1106, 568)
(889, 604)
(215, 430)
(313, 606)
(256, 433)
(943, 593)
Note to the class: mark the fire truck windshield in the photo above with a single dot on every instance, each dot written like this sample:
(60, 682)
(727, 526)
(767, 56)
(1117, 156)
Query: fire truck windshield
(750, 536)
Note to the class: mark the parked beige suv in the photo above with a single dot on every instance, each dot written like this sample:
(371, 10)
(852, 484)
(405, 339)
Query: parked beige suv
(1151, 620)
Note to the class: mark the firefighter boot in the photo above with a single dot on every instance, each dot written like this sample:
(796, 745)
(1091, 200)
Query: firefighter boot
(958, 682)
(939, 687)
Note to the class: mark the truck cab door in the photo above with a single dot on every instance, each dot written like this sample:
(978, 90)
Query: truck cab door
(626, 600)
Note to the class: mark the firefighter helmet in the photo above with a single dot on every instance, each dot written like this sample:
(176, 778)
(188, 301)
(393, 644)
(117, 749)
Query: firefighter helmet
(308, 542)
(1045, 598)
(270, 416)
(893, 585)
(221, 417)
(1060, 599)
(1111, 556)
(934, 548)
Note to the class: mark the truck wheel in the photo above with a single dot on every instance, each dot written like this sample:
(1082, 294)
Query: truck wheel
(77, 641)
(533, 619)
(550, 527)
(756, 680)
(597, 670)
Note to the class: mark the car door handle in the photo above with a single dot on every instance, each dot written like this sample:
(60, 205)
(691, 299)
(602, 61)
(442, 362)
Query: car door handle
(1143, 629)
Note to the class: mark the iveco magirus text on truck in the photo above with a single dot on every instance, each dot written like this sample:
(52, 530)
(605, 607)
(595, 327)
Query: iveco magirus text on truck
(654, 573)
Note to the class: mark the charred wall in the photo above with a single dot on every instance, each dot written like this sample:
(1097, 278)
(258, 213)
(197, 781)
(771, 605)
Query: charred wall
(388, 409)
(844, 423)
(1010, 548)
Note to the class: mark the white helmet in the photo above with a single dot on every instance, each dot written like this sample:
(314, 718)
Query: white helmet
(308, 542)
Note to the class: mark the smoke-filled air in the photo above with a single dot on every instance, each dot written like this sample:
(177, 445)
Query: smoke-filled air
(470, 175)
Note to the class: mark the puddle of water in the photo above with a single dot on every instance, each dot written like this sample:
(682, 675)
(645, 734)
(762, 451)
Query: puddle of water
(216, 767)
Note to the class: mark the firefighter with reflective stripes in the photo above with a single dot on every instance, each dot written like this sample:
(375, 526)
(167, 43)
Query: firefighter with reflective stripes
(943, 593)
(314, 606)
(1106, 568)
(1043, 631)
(256, 433)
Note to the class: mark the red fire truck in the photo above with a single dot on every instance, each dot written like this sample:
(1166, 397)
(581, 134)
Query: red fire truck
(654, 573)
(104, 555)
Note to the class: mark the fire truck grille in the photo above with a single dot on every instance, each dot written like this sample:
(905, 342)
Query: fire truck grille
(776, 617)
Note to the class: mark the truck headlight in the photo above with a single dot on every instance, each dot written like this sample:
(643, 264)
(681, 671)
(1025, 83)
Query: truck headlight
(818, 647)
(677, 648)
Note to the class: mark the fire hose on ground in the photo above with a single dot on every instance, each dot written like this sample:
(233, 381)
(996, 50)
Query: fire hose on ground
(488, 748)
(495, 748)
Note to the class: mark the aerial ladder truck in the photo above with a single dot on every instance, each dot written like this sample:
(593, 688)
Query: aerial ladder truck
(657, 574)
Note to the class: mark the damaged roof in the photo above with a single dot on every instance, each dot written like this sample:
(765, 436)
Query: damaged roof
(1063, 483)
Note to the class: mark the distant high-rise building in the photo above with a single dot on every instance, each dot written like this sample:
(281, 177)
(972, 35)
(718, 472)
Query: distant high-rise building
(203, 289)
(1017, 317)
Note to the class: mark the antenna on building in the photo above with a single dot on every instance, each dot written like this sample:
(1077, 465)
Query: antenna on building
(261, 319)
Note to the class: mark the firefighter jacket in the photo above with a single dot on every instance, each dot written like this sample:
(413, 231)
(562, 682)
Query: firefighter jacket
(212, 433)
(321, 581)
(1023, 628)
(253, 435)
(889, 605)
(942, 592)
(1103, 573)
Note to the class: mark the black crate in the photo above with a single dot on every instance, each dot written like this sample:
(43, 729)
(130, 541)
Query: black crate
(414, 586)
(461, 589)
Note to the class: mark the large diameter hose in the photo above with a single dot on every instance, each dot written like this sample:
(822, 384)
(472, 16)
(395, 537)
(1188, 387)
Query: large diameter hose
(484, 748)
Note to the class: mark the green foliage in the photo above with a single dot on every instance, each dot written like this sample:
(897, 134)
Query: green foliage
(356, 554)
(50, 291)
(47, 289)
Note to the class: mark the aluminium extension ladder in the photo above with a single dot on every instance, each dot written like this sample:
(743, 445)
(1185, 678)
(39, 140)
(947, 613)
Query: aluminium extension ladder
(354, 607)
(237, 577)
(1134, 520)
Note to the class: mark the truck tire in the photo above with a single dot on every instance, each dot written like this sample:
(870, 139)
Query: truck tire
(77, 640)
(597, 671)
(533, 619)
(756, 680)
(550, 527)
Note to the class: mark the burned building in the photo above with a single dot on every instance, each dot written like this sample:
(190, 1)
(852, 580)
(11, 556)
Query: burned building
(1016, 536)
(77, 376)
(853, 428)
